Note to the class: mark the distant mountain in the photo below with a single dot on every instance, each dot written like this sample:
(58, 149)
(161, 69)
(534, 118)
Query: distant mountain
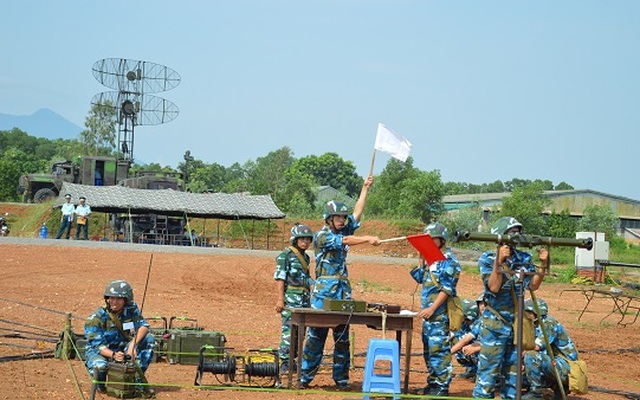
(42, 123)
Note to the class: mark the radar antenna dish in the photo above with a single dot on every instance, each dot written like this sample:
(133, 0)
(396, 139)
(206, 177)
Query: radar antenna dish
(131, 81)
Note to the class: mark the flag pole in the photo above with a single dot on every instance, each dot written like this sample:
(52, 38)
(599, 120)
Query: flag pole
(373, 159)
(393, 239)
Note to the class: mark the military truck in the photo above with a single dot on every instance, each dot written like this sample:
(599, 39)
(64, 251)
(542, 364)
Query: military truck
(88, 170)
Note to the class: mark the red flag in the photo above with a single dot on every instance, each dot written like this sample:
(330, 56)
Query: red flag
(426, 247)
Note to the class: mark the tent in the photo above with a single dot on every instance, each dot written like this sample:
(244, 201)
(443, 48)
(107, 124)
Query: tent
(168, 202)
(120, 199)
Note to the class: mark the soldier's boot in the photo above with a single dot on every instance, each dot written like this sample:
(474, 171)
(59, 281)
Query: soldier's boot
(534, 394)
(470, 373)
(100, 376)
(557, 394)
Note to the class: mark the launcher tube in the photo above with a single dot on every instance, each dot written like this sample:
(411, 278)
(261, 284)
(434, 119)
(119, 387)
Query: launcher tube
(523, 240)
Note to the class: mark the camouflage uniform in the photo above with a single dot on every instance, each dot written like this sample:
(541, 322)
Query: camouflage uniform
(102, 331)
(297, 284)
(332, 282)
(435, 331)
(537, 364)
(473, 328)
(498, 354)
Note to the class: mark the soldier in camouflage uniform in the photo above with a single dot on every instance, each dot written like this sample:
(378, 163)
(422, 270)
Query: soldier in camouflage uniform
(438, 281)
(117, 331)
(293, 285)
(465, 345)
(538, 366)
(498, 352)
(332, 282)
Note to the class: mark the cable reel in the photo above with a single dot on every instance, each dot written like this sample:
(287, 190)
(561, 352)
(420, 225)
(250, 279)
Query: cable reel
(226, 367)
(258, 367)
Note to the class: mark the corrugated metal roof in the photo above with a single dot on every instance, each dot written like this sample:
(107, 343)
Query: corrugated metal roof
(119, 199)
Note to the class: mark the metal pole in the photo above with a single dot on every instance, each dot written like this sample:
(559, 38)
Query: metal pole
(66, 338)
(519, 307)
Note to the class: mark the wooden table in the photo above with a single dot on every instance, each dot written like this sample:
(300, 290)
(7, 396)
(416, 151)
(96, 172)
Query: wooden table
(301, 318)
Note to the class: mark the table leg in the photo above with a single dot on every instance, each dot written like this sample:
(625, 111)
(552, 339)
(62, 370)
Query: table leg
(301, 332)
(634, 307)
(622, 305)
(589, 298)
(614, 309)
(293, 342)
(407, 362)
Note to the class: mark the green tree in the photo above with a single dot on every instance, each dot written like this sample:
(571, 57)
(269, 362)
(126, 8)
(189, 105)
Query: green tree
(451, 188)
(514, 183)
(561, 225)
(137, 169)
(526, 203)
(383, 196)
(267, 174)
(403, 191)
(208, 177)
(495, 187)
(100, 136)
(13, 163)
(331, 170)
(544, 184)
(563, 186)
(237, 181)
(599, 219)
(421, 197)
(298, 195)
(465, 219)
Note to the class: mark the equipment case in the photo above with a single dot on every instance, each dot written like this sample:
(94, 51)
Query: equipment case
(345, 305)
(183, 346)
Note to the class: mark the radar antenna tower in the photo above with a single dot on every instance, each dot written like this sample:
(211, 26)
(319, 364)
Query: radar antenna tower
(132, 81)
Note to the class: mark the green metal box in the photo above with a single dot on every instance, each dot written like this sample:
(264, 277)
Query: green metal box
(183, 346)
(345, 305)
(121, 380)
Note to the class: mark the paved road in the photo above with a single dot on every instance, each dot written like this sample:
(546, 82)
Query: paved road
(154, 248)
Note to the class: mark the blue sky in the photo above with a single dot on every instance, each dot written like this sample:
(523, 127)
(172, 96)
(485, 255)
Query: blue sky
(485, 90)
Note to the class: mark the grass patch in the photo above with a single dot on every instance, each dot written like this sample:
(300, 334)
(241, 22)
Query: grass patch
(368, 286)
(470, 269)
(30, 222)
(564, 274)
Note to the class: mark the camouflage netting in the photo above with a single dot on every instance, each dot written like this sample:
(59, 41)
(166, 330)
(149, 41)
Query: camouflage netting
(119, 199)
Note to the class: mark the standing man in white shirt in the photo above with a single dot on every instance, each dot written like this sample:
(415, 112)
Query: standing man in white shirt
(67, 217)
(82, 221)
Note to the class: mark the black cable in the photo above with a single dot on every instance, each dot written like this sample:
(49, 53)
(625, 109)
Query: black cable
(612, 351)
(15, 332)
(29, 326)
(346, 327)
(39, 308)
(30, 356)
(629, 395)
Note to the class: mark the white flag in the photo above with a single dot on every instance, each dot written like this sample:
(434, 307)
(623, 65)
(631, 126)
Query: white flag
(392, 143)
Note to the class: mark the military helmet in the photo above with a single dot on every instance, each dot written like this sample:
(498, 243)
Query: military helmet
(502, 225)
(542, 306)
(470, 309)
(480, 299)
(119, 288)
(300, 231)
(437, 230)
(334, 208)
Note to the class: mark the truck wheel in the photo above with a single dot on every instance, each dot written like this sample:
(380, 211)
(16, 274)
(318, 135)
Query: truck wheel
(43, 195)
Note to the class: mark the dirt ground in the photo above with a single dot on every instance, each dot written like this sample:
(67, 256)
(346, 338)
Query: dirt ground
(230, 291)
